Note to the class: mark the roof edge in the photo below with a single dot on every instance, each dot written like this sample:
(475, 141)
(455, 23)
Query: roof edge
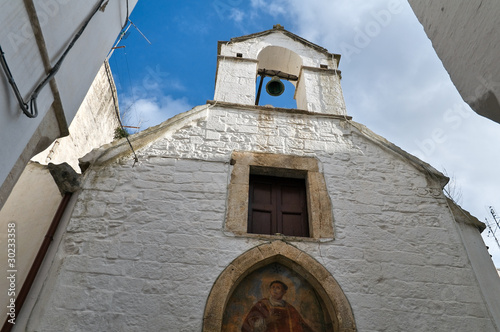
(421, 165)
(121, 148)
(462, 216)
(280, 28)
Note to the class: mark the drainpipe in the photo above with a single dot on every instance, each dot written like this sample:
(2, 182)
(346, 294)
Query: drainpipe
(30, 278)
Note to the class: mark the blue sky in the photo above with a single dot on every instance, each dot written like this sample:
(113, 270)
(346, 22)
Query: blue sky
(392, 80)
(181, 60)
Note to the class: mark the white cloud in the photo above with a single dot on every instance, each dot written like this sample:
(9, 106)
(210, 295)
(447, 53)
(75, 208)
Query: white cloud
(236, 15)
(150, 102)
(150, 111)
(320, 20)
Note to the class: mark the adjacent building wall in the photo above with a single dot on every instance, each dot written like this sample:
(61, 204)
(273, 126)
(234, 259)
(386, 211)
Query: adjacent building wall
(485, 271)
(36, 197)
(34, 35)
(94, 124)
(30, 207)
(466, 39)
(479, 257)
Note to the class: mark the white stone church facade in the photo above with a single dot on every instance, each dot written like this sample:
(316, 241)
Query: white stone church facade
(168, 244)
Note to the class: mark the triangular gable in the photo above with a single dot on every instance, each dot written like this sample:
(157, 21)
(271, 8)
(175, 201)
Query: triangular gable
(279, 29)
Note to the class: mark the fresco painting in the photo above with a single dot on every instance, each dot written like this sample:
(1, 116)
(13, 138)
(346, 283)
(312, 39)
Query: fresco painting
(275, 298)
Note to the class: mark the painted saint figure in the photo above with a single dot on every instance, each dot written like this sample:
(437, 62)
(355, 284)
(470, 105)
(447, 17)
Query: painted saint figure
(274, 314)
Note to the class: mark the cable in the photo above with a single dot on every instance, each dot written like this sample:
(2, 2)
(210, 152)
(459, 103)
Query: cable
(135, 26)
(122, 34)
(57, 66)
(32, 110)
(24, 106)
(126, 19)
(106, 64)
(134, 100)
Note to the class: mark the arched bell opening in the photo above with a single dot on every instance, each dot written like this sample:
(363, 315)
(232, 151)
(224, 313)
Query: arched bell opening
(277, 75)
(260, 266)
(285, 100)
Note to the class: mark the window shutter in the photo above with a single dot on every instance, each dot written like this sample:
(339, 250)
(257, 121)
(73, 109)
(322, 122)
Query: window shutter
(277, 205)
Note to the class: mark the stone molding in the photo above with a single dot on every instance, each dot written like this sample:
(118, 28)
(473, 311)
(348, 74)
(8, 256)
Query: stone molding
(319, 206)
(319, 277)
(464, 217)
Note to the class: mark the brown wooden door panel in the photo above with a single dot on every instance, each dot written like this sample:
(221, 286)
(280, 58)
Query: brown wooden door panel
(290, 196)
(262, 193)
(293, 225)
(261, 222)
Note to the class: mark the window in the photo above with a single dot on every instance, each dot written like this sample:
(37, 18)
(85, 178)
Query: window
(277, 205)
(278, 176)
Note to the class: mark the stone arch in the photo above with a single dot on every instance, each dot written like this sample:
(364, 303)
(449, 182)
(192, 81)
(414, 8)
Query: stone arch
(284, 63)
(321, 280)
(280, 59)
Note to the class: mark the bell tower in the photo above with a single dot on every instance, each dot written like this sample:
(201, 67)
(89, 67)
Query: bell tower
(243, 62)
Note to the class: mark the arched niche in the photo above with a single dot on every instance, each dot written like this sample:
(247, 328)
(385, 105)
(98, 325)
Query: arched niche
(323, 283)
(284, 63)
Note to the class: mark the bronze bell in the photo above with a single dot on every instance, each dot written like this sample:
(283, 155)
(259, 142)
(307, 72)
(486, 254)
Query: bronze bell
(275, 87)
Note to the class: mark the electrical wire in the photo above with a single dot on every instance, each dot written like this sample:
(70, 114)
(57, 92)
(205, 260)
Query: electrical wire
(115, 103)
(126, 19)
(31, 111)
(132, 92)
(24, 106)
(122, 34)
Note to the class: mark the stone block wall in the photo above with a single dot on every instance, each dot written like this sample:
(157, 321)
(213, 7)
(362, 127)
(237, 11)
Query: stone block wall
(251, 47)
(146, 243)
(319, 91)
(235, 81)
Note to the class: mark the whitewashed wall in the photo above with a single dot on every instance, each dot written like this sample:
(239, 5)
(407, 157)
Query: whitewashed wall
(146, 243)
